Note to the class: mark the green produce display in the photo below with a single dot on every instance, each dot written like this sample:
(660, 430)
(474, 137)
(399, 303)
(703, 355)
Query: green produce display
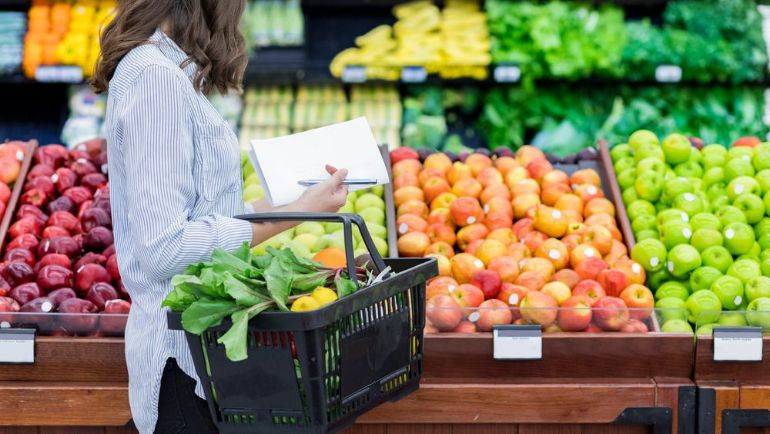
(701, 218)
(273, 23)
(241, 285)
(434, 117)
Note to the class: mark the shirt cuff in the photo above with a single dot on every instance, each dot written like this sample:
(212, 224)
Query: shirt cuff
(232, 233)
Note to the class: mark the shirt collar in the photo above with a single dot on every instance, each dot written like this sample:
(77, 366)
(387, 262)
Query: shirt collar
(171, 50)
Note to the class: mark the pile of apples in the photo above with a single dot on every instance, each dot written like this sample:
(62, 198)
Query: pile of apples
(701, 219)
(60, 255)
(309, 238)
(11, 156)
(517, 241)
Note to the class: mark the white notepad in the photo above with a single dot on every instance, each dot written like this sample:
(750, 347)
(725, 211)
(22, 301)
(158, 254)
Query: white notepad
(284, 161)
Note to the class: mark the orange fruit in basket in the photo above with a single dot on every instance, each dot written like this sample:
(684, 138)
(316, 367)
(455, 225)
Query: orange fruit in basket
(331, 257)
(9, 170)
(11, 151)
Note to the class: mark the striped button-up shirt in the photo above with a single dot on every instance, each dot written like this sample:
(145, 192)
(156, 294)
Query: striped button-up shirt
(175, 183)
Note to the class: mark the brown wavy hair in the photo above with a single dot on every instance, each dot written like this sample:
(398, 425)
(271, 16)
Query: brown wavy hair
(207, 30)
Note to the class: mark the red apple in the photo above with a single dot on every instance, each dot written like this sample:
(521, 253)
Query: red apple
(610, 313)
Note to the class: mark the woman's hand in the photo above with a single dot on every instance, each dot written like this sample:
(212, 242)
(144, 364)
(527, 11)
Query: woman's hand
(328, 196)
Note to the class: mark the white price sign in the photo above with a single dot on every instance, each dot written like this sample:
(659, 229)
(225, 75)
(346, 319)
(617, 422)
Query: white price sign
(59, 74)
(354, 74)
(517, 342)
(507, 74)
(17, 345)
(668, 74)
(737, 344)
(414, 74)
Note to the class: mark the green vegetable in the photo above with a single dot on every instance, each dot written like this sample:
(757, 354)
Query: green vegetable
(241, 285)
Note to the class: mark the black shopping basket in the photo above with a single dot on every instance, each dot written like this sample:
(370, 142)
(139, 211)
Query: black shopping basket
(316, 372)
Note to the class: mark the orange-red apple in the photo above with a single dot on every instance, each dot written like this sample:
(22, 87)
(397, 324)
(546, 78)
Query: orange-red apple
(489, 250)
(405, 194)
(438, 161)
(557, 290)
(506, 266)
(599, 205)
(591, 289)
(441, 232)
(464, 266)
(440, 285)
(406, 166)
(504, 235)
(444, 266)
(585, 176)
(434, 186)
(566, 276)
(477, 162)
(531, 279)
(488, 281)
(465, 327)
(523, 203)
(467, 295)
(440, 248)
(613, 281)
(539, 308)
(405, 180)
(489, 176)
(466, 211)
(416, 207)
(590, 268)
(457, 172)
(639, 300)
(413, 244)
(581, 252)
(443, 312)
(467, 187)
(575, 314)
(610, 313)
(491, 313)
(410, 223)
(599, 237)
(471, 233)
(550, 221)
(554, 251)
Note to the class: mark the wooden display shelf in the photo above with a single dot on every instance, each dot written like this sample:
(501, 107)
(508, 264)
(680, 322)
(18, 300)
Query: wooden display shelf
(733, 397)
(10, 210)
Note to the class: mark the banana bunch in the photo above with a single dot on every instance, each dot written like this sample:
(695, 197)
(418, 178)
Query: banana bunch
(453, 43)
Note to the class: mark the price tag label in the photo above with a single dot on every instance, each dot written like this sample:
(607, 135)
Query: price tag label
(668, 74)
(517, 342)
(17, 345)
(354, 74)
(507, 74)
(414, 74)
(737, 344)
(59, 74)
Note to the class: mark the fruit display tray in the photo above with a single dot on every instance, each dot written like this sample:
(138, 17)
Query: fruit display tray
(10, 210)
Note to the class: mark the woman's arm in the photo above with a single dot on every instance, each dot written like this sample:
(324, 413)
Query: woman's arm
(160, 190)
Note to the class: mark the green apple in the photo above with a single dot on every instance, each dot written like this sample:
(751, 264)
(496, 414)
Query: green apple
(764, 239)
(714, 149)
(299, 248)
(624, 164)
(704, 277)
(671, 308)
(745, 270)
(705, 220)
(629, 195)
(705, 330)
(739, 238)
(674, 233)
(682, 260)
(348, 208)
(704, 307)
(642, 137)
(766, 199)
(650, 164)
(639, 207)
(676, 326)
(689, 169)
(648, 186)
(381, 245)
(378, 190)
(732, 319)
(377, 230)
(695, 155)
(623, 150)
(715, 191)
(650, 254)
(369, 200)
(644, 222)
(308, 240)
(741, 185)
(336, 239)
(315, 228)
(763, 226)
(730, 214)
(627, 179)
(704, 238)
(717, 257)
(738, 167)
(672, 289)
(757, 287)
(648, 152)
(729, 290)
(253, 193)
(763, 179)
(741, 153)
(645, 234)
(711, 161)
(331, 227)
(676, 186)
(758, 313)
(672, 214)
(719, 203)
(761, 157)
(715, 175)
(752, 207)
(656, 279)
(676, 148)
(690, 203)
(373, 215)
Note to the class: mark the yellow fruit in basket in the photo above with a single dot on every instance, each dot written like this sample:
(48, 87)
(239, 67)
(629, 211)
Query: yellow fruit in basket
(304, 304)
(324, 295)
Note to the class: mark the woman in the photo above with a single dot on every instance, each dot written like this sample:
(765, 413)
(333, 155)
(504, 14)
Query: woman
(175, 181)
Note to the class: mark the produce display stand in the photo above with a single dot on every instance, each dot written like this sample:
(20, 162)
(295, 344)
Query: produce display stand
(584, 383)
(733, 397)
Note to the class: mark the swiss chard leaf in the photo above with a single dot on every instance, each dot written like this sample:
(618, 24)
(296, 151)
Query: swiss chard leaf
(223, 261)
(178, 300)
(235, 340)
(279, 281)
(211, 284)
(206, 313)
(242, 293)
(344, 286)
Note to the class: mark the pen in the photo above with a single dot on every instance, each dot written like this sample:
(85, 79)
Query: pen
(310, 182)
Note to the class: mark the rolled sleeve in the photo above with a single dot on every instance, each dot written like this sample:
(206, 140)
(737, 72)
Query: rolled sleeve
(159, 160)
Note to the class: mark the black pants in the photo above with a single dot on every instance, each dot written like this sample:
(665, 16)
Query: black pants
(180, 410)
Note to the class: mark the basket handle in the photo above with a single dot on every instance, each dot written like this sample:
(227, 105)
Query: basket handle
(347, 221)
